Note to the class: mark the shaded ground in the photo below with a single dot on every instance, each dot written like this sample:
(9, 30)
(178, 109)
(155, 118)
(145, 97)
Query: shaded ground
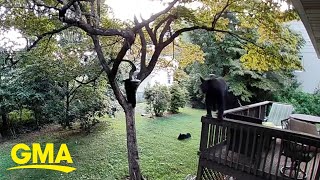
(102, 154)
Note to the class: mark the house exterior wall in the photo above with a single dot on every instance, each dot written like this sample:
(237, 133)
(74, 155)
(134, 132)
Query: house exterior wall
(163, 76)
(310, 76)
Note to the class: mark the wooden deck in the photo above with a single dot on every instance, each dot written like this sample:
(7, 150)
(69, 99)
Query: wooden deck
(249, 150)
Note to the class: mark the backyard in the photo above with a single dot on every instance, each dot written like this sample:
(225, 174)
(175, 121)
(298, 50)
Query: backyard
(68, 66)
(102, 154)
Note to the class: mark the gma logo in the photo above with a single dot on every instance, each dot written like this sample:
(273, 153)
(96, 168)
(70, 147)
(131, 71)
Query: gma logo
(35, 158)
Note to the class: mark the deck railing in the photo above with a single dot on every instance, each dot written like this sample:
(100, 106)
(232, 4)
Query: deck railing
(257, 110)
(243, 148)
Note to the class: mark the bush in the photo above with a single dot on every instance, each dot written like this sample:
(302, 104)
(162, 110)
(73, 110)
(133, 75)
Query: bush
(158, 98)
(179, 97)
(21, 117)
(304, 103)
(88, 105)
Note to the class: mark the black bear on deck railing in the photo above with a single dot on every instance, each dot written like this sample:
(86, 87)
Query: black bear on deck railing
(215, 90)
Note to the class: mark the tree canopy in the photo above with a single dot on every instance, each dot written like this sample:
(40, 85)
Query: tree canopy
(42, 23)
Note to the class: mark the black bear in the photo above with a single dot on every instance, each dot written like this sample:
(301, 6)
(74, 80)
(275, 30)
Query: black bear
(184, 136)
(131, 87)
(215, 90)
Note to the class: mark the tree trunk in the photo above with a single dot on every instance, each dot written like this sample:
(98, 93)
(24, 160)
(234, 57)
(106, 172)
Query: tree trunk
(67, 123)
(67, 118)
(5, 125)
(133, 156)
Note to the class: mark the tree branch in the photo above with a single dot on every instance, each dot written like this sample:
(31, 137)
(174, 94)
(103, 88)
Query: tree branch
(239, 37)
(133, 66)
(166, 28)
(111, 77)
(63, 10)
(100, 55)
(154, 17)
(143, 50)
(143, 74)
(46, 6)
(86, 26)
(219, 14)
(143, 46)
(126, 46)
(98, 31)
(92, 80)
(180, 31)
(152, 35)
(162, 22)
(40, 37)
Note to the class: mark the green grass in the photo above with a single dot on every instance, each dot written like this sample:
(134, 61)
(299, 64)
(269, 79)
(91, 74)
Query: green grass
(102, 154)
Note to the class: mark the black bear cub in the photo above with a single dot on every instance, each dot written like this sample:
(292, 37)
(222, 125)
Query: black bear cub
(131, 87)
(215, 90)
(184, 136)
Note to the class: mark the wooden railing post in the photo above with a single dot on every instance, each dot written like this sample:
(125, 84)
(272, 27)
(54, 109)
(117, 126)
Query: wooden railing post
(204, 134)
(203, 144)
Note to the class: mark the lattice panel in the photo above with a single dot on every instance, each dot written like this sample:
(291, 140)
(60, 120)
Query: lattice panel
(209, 174)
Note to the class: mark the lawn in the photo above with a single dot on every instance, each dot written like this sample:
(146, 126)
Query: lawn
(102, 153)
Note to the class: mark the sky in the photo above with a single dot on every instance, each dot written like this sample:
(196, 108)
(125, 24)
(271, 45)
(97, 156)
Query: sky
(12, 39)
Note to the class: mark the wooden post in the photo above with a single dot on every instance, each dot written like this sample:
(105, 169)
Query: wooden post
(204, 135)
(203, 145)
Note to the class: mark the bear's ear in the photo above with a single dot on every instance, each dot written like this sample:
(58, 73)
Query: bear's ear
(202, 80)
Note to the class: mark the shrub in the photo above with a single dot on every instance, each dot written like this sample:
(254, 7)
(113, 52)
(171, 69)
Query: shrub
(304, 103)
(178, 97)
(88, 105)
(158, 98)
(22, 116)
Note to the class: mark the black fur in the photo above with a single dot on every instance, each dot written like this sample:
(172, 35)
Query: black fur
(131, 87)
(215, 90)
(62, 14)
(184, 136)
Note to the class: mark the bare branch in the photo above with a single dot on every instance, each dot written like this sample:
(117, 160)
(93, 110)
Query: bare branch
(111, 77)
(91, 80)
(143, 46)
(99, 10)
(40, 37)
(166, 28)
(47, 44)
(150, 32)
(152, 35)
(100, 55)
(98, 31)
(143, 50)
(127, 34)
(239, 37)
(219, 14)
(162, 22)
(125, 47)
(143, 74)
(133, 66)
(154, 17)
(87, 27)
(63, 10)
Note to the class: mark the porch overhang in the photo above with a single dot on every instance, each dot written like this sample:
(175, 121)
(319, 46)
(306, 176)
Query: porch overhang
(309, 12)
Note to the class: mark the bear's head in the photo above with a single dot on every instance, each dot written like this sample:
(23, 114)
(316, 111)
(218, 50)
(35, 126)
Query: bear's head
(204, 85)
